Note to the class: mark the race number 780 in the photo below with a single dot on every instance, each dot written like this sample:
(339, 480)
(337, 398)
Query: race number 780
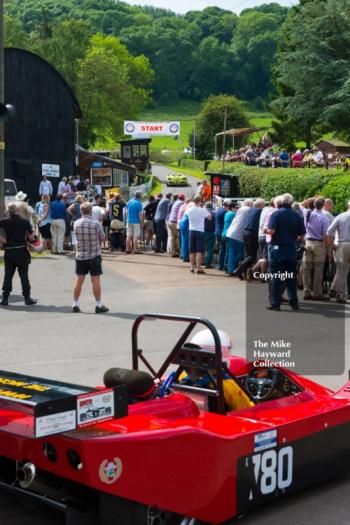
(273, 470)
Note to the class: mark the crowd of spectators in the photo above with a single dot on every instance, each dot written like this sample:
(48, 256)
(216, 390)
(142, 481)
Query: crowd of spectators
(302, 242)
(272, 157)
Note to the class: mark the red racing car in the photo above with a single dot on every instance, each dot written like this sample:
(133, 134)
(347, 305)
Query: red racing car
(201, 440)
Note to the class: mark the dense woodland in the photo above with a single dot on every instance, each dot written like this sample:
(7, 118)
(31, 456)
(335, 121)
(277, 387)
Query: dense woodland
(201, 53)
(121, 58)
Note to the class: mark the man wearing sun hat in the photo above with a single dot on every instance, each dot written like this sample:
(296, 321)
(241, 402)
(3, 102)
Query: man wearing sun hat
(24, 210)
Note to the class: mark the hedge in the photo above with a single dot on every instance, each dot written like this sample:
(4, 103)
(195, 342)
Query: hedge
(170, 157)
(338, 189)
(301, 183)
(269, 182)
(194, 164)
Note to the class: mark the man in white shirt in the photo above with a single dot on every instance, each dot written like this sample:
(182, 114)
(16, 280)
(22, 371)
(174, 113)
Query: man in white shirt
(45, 187)
(341, 227)
(63, 187)
(317, 157)
(98, 213)
(197, 216)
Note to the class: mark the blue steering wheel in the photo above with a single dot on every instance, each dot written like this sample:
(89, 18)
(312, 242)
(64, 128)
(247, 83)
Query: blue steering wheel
(167, 384)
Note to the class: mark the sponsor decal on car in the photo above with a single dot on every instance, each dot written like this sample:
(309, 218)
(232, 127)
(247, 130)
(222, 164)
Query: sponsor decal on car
(265, 440)
(110, 470)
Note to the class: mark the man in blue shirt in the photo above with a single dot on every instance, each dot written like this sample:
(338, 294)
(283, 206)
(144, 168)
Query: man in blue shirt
(134, 220)
(285, 226)
(250, 237)
(58, 225)
(160, 218)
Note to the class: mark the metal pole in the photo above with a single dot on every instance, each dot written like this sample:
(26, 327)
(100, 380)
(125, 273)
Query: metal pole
(194, 141)
(2, 144)
(224, 140)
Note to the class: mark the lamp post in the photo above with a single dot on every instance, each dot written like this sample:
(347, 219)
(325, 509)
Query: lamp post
(2, 143)
(224, 140)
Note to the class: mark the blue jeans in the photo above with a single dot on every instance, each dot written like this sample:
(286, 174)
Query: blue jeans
(209, 239)
(222, 255)
(235, 253)
(185, 246)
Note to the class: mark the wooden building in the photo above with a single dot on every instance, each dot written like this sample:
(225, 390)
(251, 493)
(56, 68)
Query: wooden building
(41, 138)
(135, 152)
(100, 169)
(332, 147)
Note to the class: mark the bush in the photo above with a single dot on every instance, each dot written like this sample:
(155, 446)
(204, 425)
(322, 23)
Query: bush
(171, 157)
(338, 189)
(301, 183)
(193, 164)
(269, 182)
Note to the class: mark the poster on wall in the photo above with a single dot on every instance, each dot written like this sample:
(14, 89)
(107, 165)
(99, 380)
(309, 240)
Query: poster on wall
(146, 129)
(50, 170)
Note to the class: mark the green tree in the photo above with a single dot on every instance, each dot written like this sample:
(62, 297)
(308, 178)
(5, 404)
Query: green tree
(214, 68)
(112, 86)
(254, 45)
(210, 121)
(14, 34)
(214, 21)
(311, 72)
(67, 45)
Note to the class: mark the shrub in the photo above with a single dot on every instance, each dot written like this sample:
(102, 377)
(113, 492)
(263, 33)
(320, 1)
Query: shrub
(338, 189)
(192, 164)
(170, 157)
(301, 183)
(269, 182)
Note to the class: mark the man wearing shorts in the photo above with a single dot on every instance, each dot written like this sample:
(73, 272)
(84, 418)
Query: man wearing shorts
(197, 216)
(89, 236)
(134, 223)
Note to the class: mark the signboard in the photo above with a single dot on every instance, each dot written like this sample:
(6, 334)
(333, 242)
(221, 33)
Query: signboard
(136, 128)
(58, 407)
(101, 176)
(50, 170)
(95, 407)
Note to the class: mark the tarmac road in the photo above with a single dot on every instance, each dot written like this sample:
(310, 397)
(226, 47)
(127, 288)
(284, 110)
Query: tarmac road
(161, 173)
(48, 340)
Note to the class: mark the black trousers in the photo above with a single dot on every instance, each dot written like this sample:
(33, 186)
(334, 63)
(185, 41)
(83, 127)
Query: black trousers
(251, 246)
(161, 235)
(16, 259)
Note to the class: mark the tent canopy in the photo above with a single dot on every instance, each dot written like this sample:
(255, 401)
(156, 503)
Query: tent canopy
(240, 132)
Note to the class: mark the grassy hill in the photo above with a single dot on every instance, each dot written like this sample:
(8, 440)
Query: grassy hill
(186, 112)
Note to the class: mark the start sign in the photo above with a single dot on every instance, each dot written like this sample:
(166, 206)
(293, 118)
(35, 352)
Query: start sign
(139, 129)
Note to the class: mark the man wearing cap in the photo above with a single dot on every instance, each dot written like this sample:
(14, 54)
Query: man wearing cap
(172, 226)
(17, 232)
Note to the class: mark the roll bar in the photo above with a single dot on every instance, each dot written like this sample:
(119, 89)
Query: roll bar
(192, 323)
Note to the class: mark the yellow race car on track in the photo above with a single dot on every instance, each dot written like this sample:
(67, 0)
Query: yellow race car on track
(176, 179)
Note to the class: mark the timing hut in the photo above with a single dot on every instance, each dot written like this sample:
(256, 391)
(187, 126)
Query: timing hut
(41, 138)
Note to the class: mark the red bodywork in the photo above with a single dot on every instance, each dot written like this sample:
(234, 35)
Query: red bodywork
(174, 455)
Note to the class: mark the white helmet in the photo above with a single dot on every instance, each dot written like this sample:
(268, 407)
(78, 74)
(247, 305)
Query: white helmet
(205, 340)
